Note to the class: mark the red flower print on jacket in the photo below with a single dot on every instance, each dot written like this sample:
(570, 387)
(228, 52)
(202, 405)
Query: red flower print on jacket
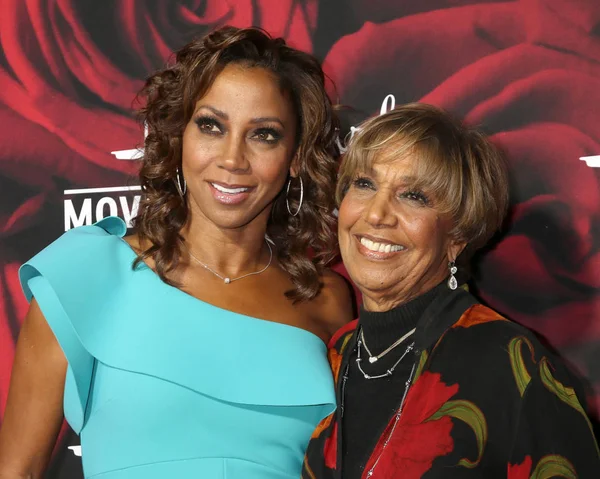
(549, 466)
(519, 471)
(423, 432)
(416, 441)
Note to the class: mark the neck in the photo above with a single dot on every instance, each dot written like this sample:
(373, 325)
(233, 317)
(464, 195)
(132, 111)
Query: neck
(382, 328)
(231, 252)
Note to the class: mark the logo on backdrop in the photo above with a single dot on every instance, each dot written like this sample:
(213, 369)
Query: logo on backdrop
(76, 450)
(85, 206)
(388, 104)
(592, 161)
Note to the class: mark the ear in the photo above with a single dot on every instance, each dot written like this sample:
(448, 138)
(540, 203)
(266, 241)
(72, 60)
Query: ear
(455, 248)
(295, 167)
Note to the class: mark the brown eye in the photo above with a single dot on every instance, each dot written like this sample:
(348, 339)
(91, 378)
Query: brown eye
(209, 125)
(363, 183)
(416, 196)
(267, 135)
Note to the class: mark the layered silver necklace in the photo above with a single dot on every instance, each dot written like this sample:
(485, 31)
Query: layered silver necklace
(373, 359)
(227, 279)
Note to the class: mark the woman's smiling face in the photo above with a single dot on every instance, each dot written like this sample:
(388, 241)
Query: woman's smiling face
(238, 147)
(394, 243)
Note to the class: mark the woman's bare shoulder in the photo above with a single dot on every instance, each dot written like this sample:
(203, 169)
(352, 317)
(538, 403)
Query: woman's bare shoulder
(134, 242)
(336, 304)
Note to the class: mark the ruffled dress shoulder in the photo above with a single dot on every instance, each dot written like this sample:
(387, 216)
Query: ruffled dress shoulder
(161, 384)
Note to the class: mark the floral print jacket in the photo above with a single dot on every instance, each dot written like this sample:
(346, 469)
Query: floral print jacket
(488, 400)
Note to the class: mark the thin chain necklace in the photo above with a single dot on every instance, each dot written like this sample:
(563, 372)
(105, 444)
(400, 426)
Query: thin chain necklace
(373, 358)
(396, 420)
(227, 279)
(390, 371)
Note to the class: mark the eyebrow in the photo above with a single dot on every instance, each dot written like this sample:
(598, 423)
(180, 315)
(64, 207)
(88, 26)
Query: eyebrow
(216, 111)
(265, 119)
(405, 179)
(225, 116)
(408, 180)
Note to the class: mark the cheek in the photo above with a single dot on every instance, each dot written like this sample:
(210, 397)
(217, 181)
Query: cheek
(274, 171)
(422, 229)
(185, 146)
(349, 212)
(193, 152)
(272, 165)
(428, 235)
(193, 157)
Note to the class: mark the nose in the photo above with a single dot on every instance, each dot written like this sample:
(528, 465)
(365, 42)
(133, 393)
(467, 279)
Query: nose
(379, 211)
(233, 157)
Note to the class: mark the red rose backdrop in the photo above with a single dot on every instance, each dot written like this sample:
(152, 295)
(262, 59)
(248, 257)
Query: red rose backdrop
(528, 71)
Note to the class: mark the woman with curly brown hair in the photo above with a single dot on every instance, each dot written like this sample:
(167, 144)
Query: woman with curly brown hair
(195, 347)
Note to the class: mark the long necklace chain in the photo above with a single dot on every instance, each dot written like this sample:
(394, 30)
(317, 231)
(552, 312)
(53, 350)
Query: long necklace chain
(373, 358)
(396, 420)
(390, 371)
(227, 279)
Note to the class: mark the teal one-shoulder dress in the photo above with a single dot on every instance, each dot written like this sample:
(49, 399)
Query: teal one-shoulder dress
(163, 385)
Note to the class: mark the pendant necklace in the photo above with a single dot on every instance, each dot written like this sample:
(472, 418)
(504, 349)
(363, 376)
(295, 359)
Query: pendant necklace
(373, 358)
(227, 279)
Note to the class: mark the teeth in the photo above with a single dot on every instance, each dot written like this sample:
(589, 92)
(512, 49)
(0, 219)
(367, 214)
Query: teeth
(380, 247)
(231, 191)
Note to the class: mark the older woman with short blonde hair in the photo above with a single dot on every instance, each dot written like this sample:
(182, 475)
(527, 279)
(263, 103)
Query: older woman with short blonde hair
(431, 383)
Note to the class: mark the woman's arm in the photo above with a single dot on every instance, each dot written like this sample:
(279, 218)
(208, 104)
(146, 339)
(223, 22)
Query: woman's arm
(34, 410)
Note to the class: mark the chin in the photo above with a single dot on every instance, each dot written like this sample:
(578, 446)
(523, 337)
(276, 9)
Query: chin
(234, 223)
(370, 283)
(225, 221)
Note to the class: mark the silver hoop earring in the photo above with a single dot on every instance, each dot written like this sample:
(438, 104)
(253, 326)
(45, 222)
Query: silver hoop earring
(178, 180)
(452, 283)
(287, 193)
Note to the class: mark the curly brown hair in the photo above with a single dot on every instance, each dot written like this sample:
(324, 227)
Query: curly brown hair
(171, 95)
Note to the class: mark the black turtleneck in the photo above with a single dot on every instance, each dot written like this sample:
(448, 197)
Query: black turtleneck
(369, 404)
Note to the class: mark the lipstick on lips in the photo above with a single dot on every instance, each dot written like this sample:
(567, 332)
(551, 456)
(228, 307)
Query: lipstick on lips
(229, 194)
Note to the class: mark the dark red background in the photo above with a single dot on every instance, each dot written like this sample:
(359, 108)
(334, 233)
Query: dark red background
(528, 71)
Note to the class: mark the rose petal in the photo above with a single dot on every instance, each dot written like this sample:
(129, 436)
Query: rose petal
(405, 56)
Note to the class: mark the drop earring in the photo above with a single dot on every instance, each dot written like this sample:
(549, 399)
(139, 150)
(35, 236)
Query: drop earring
(452, 283)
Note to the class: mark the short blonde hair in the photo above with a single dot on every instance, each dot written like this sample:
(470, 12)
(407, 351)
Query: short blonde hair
(457, 166)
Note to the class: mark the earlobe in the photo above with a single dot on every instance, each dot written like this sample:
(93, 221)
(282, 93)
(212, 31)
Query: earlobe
(455, 249)
(295, 167)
